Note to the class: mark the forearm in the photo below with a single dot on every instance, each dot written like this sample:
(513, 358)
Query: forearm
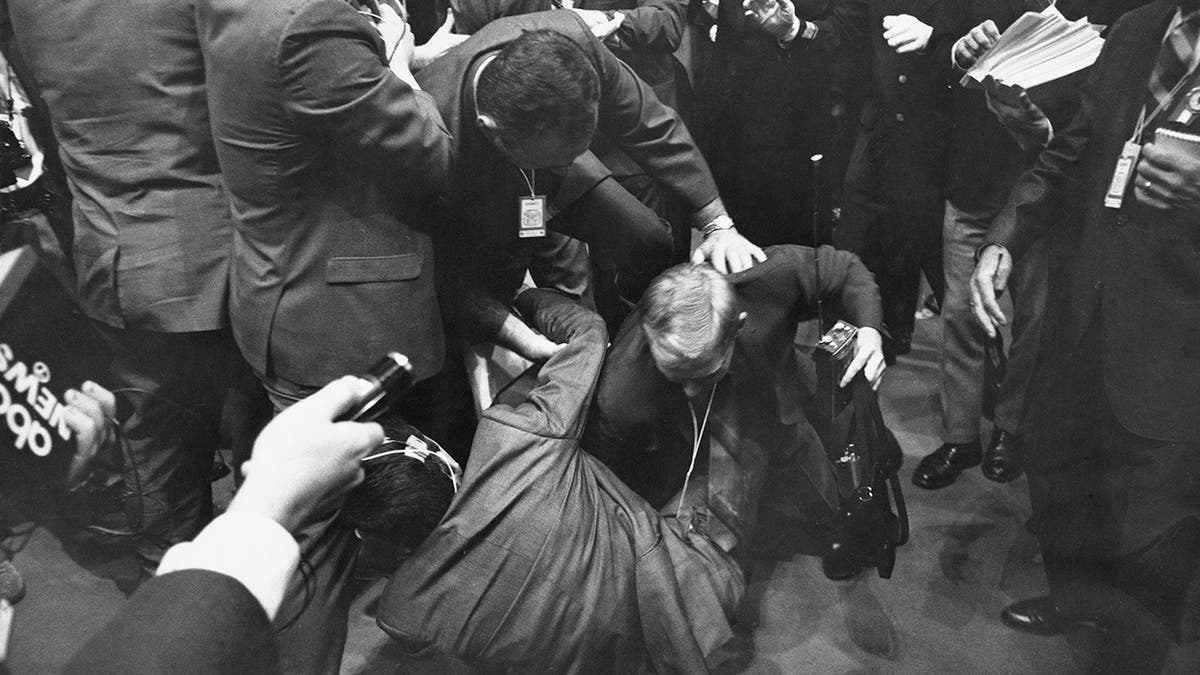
(656, 26)
(560, 398)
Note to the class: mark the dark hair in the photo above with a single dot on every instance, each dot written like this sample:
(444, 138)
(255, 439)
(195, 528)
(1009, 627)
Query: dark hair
(539, 82)
(402, 498)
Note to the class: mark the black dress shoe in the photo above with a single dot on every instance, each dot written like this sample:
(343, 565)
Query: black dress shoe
(1001, 460)
(1040, 616)
(942, 466)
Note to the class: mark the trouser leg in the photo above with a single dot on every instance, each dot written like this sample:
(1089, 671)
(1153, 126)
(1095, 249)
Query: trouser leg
(962, 350)
(172, 387)
(1028, 289)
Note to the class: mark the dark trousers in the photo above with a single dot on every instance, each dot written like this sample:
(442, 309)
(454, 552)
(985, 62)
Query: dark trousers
(1117, 516)
(171, 389)
(898, 240)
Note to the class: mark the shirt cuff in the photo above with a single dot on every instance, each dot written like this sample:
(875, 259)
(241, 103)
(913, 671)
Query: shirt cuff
(253, 549)
(708, 213)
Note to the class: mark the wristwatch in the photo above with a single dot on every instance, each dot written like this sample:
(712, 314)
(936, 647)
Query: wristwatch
(721, 222)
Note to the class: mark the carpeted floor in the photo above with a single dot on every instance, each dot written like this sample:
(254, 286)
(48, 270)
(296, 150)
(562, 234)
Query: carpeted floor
(969, 555)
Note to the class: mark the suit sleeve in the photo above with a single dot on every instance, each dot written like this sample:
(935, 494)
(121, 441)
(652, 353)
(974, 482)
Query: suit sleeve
(339, 87)
(654, 26)
(558, 403)
(1036, 201)
(843, 279)
(844, 27)
(192, 621)
(633, 118)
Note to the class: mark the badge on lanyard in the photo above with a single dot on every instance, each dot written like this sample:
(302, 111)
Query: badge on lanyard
(531, 214)
(1122, 175)
(531, 210)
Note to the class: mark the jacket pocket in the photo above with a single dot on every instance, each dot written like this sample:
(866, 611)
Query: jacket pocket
(358, 270)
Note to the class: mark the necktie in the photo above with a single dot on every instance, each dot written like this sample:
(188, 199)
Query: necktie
(1173, 59)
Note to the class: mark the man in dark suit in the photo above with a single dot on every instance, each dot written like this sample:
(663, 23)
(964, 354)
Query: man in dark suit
(984, 163)
(152, 235)
(641, 425)
(1115, 450)
(546, 561)
(895, 182)
(327, 154)
(525, 96)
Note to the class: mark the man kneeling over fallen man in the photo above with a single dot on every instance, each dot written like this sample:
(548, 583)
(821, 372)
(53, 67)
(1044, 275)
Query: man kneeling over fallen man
(545, 560)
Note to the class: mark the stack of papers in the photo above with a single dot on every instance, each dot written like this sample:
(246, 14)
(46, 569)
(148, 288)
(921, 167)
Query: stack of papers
(1042, 52)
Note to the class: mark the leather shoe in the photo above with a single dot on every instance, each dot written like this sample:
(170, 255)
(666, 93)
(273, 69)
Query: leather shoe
(942, 466)
(1040, 616)
(1001, 460)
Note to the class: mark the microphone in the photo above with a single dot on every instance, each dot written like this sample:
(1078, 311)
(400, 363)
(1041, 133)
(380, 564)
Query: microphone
(12, 589)
(390, 378)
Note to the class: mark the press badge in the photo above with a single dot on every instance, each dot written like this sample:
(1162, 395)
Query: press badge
(531, 213)
(1122, 174)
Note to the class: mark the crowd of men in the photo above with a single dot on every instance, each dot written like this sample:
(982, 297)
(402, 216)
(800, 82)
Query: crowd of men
(253, 199)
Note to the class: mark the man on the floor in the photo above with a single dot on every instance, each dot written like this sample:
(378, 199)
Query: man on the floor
(1115, 431)
(669, 365)
(546, 560)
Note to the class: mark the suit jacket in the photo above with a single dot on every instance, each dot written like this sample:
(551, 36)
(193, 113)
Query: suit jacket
(905, 116)
(640, 425)
(1132, 273)
(152, 223)
(191, 621)
(545, 561)
(650, 34)
(327, 155)
(481, 212)
(647, 39)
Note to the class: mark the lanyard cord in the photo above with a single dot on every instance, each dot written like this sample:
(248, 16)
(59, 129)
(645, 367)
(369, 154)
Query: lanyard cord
(530, 180)
(698, 432)
(1144, 119)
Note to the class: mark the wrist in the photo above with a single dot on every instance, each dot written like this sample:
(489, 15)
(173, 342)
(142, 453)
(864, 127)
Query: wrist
(722, 223)
(790, 34)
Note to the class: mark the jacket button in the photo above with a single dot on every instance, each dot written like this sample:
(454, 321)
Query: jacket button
(902, 79)
(899, 117)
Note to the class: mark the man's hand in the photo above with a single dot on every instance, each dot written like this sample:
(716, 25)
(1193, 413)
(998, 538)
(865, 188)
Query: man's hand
(971, 46)
(89, 415)
(303, 462)
(868, 357)
(1023, 119)
(774, 17)
(728, 251)
(599, 23)
(439, 43)
(1168, 177)
(906, 33)
(397, 43)
(518, 337)
(988, 284)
